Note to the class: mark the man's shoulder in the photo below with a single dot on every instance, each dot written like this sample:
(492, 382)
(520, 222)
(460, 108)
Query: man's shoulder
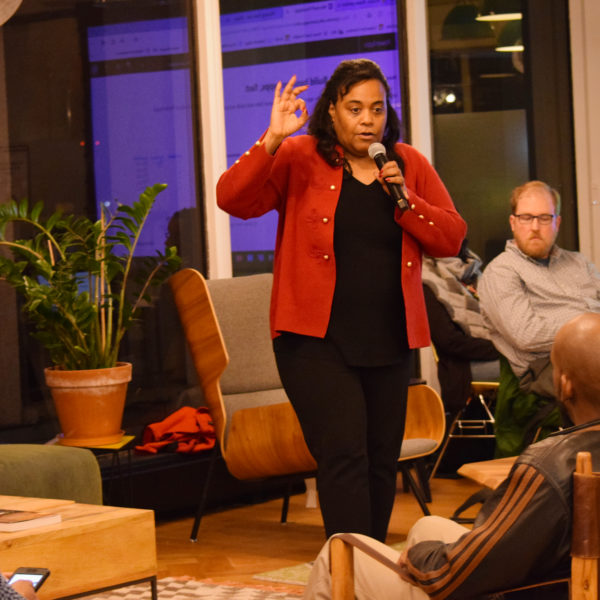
(502, 259)
(563, 255)
(507, 260)
(555, 456)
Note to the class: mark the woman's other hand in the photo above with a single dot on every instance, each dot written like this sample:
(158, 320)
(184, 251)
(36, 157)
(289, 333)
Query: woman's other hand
(284, 120)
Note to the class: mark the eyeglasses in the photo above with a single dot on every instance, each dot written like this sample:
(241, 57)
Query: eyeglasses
(527, 219)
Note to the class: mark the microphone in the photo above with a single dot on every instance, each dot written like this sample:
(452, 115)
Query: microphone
(377, 153)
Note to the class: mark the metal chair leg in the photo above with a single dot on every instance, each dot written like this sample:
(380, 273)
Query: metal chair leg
(286, 502)
(204, 494)
(416, 490)
(423, 479)
(445, 445)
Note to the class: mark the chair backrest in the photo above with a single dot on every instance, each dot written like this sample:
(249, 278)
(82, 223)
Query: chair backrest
(425, 422)
(241, 305)
(226, 324)
(204, 338)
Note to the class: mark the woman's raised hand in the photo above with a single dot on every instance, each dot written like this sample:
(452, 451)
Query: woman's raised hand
(284, 117)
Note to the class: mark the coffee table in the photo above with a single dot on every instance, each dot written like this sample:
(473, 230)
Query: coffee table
(94, 548)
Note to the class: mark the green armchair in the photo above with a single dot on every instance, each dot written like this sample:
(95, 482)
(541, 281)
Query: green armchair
(48, 471)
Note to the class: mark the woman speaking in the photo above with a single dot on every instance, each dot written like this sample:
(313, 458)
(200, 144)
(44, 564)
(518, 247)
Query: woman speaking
(347, 305)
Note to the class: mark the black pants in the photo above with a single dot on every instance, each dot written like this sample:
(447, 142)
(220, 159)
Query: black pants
(353, 422)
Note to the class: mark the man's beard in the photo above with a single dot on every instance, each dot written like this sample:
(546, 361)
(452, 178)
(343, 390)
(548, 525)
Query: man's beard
(539, 250)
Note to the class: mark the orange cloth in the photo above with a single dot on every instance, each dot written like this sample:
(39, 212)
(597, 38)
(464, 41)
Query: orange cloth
(190, 429)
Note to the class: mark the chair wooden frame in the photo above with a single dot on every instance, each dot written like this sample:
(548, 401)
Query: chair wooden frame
(425, 421)
(584, 582)
(263, 441)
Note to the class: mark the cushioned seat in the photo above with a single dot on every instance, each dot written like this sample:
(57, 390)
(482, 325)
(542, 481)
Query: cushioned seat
(423, 435)
(417, 446)
(45, 471)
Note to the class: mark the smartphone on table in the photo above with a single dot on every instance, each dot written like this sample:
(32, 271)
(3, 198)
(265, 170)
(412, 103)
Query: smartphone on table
(36, 575)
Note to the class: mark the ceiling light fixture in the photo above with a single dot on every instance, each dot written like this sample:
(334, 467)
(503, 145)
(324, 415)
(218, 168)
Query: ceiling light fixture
(461, 24)
(510, 38)
(500, 10)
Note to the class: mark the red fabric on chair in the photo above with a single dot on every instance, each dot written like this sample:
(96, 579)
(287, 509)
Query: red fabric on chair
(189, 429)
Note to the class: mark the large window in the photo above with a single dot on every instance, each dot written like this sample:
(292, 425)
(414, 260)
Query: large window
(99, 104)
(269, 41)
(501, 109)
(141, 115)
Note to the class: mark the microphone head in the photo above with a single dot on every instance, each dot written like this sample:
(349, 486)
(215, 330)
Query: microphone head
(376, 148)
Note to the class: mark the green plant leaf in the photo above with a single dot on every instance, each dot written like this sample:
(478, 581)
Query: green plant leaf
(81, 287)
(23, 208)
(36, 211)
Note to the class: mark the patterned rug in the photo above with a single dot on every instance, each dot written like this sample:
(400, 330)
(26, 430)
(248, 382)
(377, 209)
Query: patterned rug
(183, 588)
(298, 574)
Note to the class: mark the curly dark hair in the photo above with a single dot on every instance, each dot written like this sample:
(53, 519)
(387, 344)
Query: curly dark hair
(347, 74)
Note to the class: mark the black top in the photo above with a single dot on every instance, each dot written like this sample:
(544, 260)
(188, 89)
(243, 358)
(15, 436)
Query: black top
(367, 321)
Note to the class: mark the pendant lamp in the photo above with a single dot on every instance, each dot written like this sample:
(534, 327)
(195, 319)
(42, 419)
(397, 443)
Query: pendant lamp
(500, 10)
(510, 38)
(460, 23)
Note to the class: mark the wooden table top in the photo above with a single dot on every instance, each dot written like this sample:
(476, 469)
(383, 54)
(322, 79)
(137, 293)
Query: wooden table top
(92, 547)
(490, 473)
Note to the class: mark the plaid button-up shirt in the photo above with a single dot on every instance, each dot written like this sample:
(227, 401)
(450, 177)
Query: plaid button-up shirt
(525, 302)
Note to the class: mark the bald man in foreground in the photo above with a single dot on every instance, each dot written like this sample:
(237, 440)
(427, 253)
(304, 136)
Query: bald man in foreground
(523, 532)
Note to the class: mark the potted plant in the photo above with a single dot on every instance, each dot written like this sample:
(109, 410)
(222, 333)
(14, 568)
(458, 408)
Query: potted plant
(82, 292)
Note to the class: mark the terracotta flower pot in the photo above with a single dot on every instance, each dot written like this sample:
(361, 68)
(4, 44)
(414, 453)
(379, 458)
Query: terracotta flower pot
(89, 403)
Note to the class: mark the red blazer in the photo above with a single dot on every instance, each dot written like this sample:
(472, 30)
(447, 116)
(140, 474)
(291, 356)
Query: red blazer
(304, 189)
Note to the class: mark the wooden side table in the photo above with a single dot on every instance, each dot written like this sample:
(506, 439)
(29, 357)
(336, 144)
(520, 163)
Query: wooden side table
(489, 473)
(124, 445)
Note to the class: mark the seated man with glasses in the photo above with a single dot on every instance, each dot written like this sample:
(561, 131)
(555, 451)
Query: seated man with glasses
(534, 287)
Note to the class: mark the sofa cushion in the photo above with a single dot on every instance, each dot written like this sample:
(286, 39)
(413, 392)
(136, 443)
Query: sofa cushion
(242, 307)
(48, 471)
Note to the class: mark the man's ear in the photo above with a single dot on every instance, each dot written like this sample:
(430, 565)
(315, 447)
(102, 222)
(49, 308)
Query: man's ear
(566, 388)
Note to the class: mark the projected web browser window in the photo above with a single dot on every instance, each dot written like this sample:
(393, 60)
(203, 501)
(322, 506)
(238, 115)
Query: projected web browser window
(264, 45)
(142, 122)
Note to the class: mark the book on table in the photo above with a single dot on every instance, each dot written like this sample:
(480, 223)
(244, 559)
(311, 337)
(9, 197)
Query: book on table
(17, 520)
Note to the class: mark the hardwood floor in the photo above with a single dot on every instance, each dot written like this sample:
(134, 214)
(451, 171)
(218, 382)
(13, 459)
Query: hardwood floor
(235, 544)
